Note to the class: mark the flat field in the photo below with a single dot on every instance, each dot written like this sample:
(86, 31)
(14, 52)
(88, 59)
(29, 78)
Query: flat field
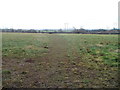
(34, 60)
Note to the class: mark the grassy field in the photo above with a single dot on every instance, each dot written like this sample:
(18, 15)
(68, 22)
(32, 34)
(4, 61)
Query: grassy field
(59, 60)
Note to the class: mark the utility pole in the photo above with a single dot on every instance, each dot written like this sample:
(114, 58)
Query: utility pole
(66, 26)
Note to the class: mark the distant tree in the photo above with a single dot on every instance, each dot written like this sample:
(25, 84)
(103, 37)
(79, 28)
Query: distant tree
(39, 31)
(60, 30)
(46, 30)
(31, 31)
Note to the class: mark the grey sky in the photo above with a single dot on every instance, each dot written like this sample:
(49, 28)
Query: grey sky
(41, 14)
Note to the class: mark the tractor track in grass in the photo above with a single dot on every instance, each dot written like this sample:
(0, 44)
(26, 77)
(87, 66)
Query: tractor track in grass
(55, 69)
(57, 56)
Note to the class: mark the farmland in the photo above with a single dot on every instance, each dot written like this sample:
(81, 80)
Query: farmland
(37, 60)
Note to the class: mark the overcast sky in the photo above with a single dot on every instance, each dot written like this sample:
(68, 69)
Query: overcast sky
(41, 14)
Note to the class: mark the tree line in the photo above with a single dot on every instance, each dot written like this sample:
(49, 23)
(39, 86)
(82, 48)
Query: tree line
(79, 31)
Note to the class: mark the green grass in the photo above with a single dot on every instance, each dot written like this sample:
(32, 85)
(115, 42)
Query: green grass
(6, 72)
(103, 47)
(19, 45)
